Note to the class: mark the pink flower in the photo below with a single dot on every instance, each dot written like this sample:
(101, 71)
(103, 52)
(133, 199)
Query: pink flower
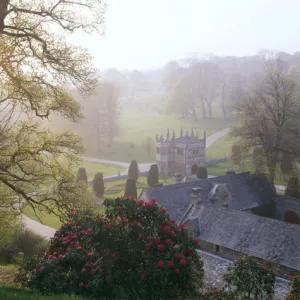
(163, 210)
(182, 226)
(92, 272)
(86, 286)
(79, 248)
(73, 213)
(107, 226)
(169, 242)
(90, 254)
(149, 204)
(55, 253)
(35, 270)
(135, 223)
(160, 264)
(171, 264)
(172, 233)
(68, 249)
(143, 277)
(61, 256)
(122, 207)
(150, 245)
(141, 202)
(124, 220)
(83, 270)
(157, 241)
(195, 241)
(166, 229)
(177, 271)
(182, 262)
(161, 247)
(172, 221)
(153, 201)
(81, 284)
(132, 197)
(42, 268)
(180, 256)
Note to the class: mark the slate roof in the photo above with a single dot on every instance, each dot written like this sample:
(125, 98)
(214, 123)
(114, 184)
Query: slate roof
(247, 190)
(265, 238)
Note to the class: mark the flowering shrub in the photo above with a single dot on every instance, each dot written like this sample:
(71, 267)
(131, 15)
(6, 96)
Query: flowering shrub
(295, 289)
(133, 251)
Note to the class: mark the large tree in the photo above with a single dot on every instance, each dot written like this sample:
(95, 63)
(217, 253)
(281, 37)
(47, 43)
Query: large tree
(37, 67)
(270, 119)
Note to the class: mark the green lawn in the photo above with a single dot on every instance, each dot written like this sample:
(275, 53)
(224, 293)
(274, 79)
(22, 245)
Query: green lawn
(113, 189)
(136, 126)
(220, 148)
(92, 168)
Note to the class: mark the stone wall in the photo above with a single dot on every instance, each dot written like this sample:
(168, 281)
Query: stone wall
(229, 254)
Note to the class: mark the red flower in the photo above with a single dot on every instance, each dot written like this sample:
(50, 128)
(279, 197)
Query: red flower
(90, 254)
(180, 256)
(89, 230)
(61, 256)
(182, 262)
(143, 277)
(55, 253)
(161, 247)
(76, 276)
(294, 278)
(116, 254)
(150, 245)
(157, 241)
(141, 202)
(92, 272)
(107, 226)
(160, 264)
(163, 210)
(166, 229)
(172, 221)
(81, 284)
(132, 197)
(153, 201)
(169, 242)
(172, 233)
(79, 248)
(73, 213)
(177, 271)
(149, 204)
(135, 223)
(182, 226)
(35, 270)
(68, 249)
(42, 268)
(122, 207)
(171, 264)
(190, 251)
(195, 241)
(124, 220)
(83, 270)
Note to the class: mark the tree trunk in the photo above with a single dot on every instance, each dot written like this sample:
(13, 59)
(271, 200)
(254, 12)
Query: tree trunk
(194, 114)
(3, 10)
(209, 110)
(223, 103)
(204, 116)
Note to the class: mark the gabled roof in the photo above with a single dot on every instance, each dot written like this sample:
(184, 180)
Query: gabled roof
(247, 191)
(265, 238)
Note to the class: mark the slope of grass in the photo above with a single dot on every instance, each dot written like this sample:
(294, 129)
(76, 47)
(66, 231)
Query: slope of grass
(220, 148)
(113, 189)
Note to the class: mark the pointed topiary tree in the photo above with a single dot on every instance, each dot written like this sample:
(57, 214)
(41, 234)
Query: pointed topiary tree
(133, 170)
(130, 188)
(152, 178)
(81, 175)
(202, 172)
(293, 188)
(98, 185)
(236, 155)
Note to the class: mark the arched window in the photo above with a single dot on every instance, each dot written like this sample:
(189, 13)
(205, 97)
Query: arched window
(291, 217)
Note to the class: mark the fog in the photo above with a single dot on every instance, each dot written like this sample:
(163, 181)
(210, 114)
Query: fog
(143, 34)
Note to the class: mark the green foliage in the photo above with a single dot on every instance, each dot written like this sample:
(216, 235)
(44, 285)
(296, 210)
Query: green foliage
(258, 159)
(81, 175)
(287, 164)
(202, 172)
(293, 188)
(98, 185)
(133, 170)
(133, 251)
(228, 172)
(236, 155)
(246, 279)
(130, 188)
(152, 177)
(25, 241)
(294, 293)
(194, 169)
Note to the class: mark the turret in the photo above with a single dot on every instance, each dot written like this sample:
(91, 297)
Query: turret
(192, 134)
(181, 133)
(197, 135)
(168, 133)
(173, 136)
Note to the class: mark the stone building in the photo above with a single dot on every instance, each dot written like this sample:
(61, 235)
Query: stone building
(178, 155)
(219, 212)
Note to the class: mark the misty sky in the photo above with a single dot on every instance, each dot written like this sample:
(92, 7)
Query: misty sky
(147, 33)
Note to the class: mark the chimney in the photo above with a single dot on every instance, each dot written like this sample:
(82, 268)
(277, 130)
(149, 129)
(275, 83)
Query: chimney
(177, 178)
(196, 196)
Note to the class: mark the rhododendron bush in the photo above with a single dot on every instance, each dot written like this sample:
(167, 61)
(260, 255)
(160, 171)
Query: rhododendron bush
(295, 289)
(133, 251)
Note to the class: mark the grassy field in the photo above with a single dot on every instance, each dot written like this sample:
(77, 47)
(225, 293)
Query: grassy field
(136, 126)
(113, 189)
(92, 168)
